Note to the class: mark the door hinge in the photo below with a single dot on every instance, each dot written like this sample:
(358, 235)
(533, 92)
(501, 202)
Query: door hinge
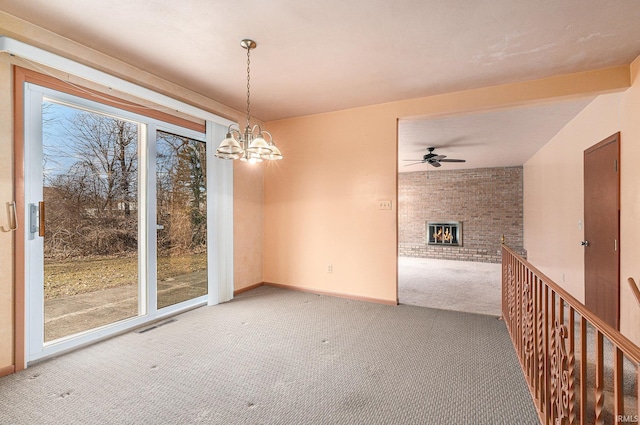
(615, 164)
(615, 245)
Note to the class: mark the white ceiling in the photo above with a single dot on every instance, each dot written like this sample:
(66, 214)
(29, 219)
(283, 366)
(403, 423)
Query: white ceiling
(490, 139)
(319, 56)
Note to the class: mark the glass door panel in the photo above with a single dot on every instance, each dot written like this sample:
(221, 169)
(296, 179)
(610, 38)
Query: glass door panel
(90, 193)
(116, 216)
(181, 215)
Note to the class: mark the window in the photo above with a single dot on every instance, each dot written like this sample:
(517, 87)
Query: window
(126, 218)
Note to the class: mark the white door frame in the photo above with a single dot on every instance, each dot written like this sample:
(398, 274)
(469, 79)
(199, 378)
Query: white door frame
(220, 225)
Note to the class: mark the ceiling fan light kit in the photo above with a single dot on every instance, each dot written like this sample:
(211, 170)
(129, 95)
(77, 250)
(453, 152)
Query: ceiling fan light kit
(432, 159)
(249, 145)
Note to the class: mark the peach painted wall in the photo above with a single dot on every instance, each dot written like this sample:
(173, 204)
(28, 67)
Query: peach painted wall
(321, 202)
(6, 195)
(630, 205)
(554, 196)
(248, 215)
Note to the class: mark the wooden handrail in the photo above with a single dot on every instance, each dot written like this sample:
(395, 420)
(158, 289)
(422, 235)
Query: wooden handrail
(625, 344)
(551, 334)
(634, 289)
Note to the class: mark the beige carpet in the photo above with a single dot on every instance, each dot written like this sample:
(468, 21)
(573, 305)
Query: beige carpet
(273, 356)
(450, 285)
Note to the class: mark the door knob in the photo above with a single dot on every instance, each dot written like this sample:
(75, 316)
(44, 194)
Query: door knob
(584, 243)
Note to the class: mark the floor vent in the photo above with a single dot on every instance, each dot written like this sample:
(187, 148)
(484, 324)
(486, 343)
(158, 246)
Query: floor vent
(156, 326)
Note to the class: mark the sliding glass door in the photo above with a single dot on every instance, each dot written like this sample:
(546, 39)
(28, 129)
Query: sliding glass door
(89, 219)
(116, 207)
(181, 194)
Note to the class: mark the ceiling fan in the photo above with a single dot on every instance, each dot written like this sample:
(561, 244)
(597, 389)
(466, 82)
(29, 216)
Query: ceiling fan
(433, 159)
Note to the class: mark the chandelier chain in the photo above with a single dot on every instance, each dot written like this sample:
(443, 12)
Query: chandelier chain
(248, 85)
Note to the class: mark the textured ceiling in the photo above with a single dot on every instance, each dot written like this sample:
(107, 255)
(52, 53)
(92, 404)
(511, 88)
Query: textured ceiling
(319, 56)
(490, 139)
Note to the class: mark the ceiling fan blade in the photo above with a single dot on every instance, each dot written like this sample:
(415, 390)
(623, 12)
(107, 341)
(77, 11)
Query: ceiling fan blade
(453, 160)
(438, 157)
(435, 163)
(415, 163)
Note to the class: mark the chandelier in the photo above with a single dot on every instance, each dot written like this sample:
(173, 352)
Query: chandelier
(250, 145)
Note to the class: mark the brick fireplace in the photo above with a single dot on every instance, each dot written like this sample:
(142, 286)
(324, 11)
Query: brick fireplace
(487, 202)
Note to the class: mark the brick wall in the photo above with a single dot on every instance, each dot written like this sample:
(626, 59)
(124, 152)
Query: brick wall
(488, 202)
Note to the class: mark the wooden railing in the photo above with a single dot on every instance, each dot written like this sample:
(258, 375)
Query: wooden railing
(579, 369)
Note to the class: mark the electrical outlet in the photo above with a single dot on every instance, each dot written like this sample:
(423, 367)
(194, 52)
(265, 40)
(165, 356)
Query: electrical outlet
(330, 268)
(384, 205)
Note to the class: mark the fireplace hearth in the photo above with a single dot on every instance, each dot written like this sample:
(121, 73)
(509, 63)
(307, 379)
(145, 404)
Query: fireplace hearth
(448, 233)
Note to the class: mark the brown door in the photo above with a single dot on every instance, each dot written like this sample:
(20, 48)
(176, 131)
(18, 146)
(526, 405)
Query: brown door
(602, 229)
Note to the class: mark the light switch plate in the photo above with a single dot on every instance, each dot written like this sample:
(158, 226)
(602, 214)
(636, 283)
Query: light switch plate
(384, 205)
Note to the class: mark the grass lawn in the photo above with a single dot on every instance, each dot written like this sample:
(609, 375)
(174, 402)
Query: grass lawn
(71, 277)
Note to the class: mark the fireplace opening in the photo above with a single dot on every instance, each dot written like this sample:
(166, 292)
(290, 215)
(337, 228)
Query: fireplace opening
(444, 233)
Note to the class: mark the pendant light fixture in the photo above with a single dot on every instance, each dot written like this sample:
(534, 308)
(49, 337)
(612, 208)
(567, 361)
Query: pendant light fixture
(250, 145)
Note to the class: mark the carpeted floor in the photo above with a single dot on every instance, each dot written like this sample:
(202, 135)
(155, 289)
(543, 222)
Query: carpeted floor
(273, 356)
(466, 286)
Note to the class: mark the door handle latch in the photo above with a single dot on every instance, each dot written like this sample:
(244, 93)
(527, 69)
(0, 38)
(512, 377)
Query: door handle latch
(584, 243)
(33, 218)
(36, 218)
